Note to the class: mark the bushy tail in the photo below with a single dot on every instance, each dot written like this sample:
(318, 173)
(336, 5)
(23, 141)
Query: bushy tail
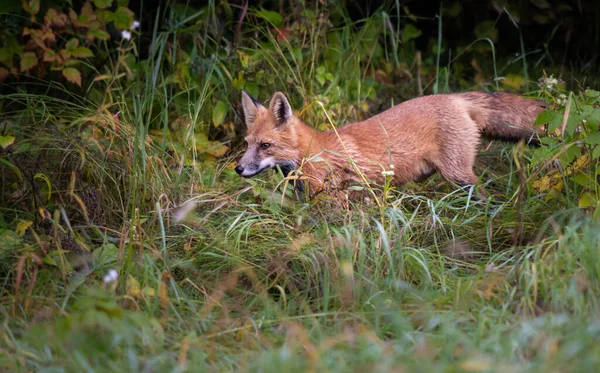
(505, 116)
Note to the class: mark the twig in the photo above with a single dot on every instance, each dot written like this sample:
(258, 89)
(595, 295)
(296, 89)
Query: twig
(238, 30)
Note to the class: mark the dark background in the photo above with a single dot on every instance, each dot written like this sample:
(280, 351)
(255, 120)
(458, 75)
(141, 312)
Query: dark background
(565, 34)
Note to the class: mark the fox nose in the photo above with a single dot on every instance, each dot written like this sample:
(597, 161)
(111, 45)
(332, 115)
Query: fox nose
(239, 169)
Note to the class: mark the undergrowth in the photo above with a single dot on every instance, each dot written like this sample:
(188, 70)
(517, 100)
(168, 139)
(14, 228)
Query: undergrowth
(128, 243)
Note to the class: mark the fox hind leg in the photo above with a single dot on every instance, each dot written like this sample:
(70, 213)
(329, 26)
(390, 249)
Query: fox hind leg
(464, 178)
(456, 165)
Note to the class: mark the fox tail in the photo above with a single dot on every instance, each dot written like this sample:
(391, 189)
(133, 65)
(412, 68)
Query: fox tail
(505, 116)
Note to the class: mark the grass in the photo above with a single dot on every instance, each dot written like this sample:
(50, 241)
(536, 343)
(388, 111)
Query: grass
(251, 291)
(216, 273)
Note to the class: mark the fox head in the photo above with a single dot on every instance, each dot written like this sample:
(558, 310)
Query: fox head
(271, 136)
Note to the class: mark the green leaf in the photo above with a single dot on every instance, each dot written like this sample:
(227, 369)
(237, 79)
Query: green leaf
(555, 122)
(97, 34)
(486, 29)
(73, 75)
(593, 120)
(72, 44)
(104, 16)
(71, 62)
(272, 17)
(569, 156)
(320, 79)
(593, 138)
(252, 88)
(54, 18)
(28, 60)
(65, 54)
(87, 16)
(85, 20)
(596, 152)
(82, 52)
(410, 32)
(9, 240)
(238, 83)
(10, 48)
(550, 141)
(572, 123)
(6, 141)
(123, 18)
(592, 93)
(49, 55)
(32, 6)
(541, 154)
(585, 180)
(219, 113)
(87, 9)
(102, 4)
(545, 117)
(587, 200)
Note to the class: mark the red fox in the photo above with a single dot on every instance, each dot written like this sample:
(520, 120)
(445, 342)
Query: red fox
(409, 141)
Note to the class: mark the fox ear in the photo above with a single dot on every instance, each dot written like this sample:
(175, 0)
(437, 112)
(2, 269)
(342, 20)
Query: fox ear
(251, 107)
(280, 107)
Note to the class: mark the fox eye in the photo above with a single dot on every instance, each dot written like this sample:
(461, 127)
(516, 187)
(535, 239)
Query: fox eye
(265, 145)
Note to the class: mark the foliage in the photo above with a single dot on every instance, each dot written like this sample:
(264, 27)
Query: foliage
(128, 243)
(60, 40)
(567, 163)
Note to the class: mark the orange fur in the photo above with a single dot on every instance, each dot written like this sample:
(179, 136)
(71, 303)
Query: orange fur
(417, 137)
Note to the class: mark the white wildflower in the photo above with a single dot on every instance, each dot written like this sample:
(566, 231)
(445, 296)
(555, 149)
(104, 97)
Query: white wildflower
(134, 25)
(562, 99)
(387, 173)
(110, 277)
(126, 35)
(551, 82)
(548, 83)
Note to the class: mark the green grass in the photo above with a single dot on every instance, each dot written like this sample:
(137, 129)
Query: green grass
(217, 273)
(246, 283)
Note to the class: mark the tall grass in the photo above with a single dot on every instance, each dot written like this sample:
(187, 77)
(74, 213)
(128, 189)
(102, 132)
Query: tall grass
(216, 273)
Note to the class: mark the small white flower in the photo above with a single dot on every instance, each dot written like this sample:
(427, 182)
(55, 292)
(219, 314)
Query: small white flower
(134, 25)
(548, 83)
(391, 167)
(126, 35)
(562, 100)
(387, 173)
(110, 277)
